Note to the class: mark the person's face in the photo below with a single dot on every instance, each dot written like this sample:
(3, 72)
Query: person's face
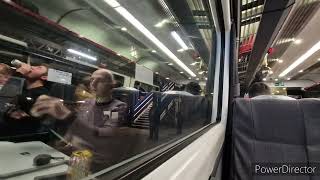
(38, 72)
(4, 78)
(101, 83)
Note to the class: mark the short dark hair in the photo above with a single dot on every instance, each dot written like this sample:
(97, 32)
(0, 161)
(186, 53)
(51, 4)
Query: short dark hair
(193, 88)
(259, 88)
(118, 84)
(47, 67)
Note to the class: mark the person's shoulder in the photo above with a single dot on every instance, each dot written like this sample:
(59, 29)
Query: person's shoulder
(179, 93)
(41, 90)
(117, 102)
(273, 97)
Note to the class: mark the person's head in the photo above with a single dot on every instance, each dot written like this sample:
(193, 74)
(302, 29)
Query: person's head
(118, 84)
(5, 73)
(102, 82)
(137, 85)
(86, 81)
(193, 88)
(38, 73)
(259, 88)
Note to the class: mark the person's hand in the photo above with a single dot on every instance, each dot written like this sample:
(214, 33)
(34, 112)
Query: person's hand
(18, 114)
(65, 148)
(46, 105)
(24, 69)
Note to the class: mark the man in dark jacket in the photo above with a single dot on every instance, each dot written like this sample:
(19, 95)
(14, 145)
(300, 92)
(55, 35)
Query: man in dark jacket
(18, 117)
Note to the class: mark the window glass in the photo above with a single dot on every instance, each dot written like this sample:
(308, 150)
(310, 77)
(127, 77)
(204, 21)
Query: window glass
(67, 81)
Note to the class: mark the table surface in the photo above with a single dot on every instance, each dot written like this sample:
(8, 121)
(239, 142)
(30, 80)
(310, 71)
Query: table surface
(17, 157)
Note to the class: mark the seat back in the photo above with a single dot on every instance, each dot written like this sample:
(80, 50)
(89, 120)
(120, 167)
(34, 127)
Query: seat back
(183, 113)
(273, 131)
(128, 96)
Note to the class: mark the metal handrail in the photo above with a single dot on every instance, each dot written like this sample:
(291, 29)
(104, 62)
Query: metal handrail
(139, 115)
(143, 101)
(142, 108)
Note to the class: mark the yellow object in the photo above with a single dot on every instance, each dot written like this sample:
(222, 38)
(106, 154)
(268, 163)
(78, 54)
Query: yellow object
(82, 153)
(79, 164)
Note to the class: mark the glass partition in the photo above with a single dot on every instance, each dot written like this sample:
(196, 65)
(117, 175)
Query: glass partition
(69, 99)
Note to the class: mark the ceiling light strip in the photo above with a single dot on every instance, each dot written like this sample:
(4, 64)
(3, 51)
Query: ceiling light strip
(82, 54)
(129, 17)
(301, 59)
(176, 36)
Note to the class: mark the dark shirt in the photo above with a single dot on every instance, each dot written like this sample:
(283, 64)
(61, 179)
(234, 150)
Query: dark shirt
(96, 127)
(27, 125)
(29, 96)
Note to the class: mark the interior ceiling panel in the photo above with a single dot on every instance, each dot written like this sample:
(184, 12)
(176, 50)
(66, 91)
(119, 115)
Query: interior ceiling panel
(188, 19)
(274, 15)
(101, 24)
(303, 11)
(150, 13)
(203, 18)
(308, 33)
(251, 12)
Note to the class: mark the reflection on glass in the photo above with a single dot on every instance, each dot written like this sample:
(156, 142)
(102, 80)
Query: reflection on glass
(70, 99)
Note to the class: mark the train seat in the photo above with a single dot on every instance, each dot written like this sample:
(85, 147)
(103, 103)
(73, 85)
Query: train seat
(273, 131)
(127, 95)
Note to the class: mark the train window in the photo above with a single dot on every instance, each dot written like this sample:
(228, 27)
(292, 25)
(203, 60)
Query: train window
(68, 90)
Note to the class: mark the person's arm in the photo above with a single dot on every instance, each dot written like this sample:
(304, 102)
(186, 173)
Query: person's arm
(13, 111)
(46, 105)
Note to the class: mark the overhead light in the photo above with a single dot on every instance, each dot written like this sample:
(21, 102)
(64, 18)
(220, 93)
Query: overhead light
(318, 59)
(170, 64)
(206, 79)
(201, 72)
(284, 88)
(181, 50)
(277, 92)
(276, 79)
(176, 36)
(156, 72)
(15, 41)
(264, 79)
(270, 72)
(112, 3)
(181, 72)
(189, 78)
(297, 41)
(197, 79)
(167, 78)
(194, 63)
(154, 51)
(124, 29)
(137, 24)
(280, 61)
(82, 54)
(301, 59)
(301, 71)
(161, 23)
(287, 40)
(288, 79)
